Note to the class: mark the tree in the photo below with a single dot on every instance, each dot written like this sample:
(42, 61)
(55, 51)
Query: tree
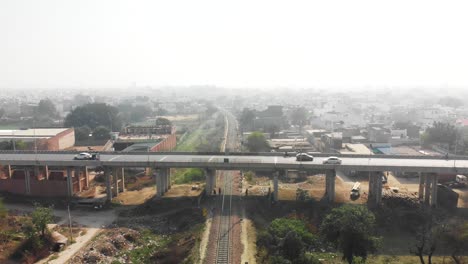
(41, 216)
(256, 142)
(350, 229)
(451, 102)
(427, 234)
(46, 108)
(456, 239)
(246, 119)
(442, 133)
(299, 117)
(94, 115)
(82, 133)
(161, 121)
(101, 132)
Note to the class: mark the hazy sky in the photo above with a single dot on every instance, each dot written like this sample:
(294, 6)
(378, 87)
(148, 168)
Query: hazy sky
(48, 43)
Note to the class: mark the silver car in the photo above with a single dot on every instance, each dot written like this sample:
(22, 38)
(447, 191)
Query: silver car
(83, 156)
(332, 160)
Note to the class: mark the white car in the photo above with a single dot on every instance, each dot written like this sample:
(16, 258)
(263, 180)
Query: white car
(332, 160)
(83, 156)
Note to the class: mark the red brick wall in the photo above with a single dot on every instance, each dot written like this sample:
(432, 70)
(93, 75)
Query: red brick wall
(61, 141)
(167, 144)
(48, 188)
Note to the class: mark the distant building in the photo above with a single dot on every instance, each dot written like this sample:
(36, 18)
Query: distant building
(146, 137)
(43, 138)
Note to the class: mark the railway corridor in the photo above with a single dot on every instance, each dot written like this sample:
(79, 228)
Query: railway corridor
(224, 245)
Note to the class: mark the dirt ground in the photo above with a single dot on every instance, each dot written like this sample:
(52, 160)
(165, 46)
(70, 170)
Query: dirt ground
(136, 197)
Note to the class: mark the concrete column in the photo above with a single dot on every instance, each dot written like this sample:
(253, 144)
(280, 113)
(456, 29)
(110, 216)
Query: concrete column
(86, 175)
(434, 190)
(122, 181)
(275, 186)
(159, 187)
(69, 182)
(78, 177)
(427, 188)
(115, 178)
(163, 174)
(107, 176)
(421, 186)
(46, 172)
(36, 172)
(378, 188)
(10, 172)
(169, 185)
(210, 175)
(330, 185)
(27, 181)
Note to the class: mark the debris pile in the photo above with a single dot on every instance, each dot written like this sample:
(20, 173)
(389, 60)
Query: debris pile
(117, 240)
(394, 199)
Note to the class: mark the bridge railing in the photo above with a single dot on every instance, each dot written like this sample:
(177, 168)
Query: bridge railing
(277, 154)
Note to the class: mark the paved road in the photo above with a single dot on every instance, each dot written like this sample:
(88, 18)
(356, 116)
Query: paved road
(239, 162)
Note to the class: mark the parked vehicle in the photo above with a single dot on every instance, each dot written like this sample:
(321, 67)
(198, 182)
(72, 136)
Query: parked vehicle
(355, 191)
(461, 181)
(332, 160)
(304, 157)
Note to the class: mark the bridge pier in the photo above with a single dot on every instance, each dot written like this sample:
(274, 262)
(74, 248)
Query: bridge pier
(428, 185)
(375, 189)
(107, 175)
(27, 181)
(330, 185)
(210, 181)
(275, 186)
(159, 183)
(122, 180)
(115, 178)
(69, 182)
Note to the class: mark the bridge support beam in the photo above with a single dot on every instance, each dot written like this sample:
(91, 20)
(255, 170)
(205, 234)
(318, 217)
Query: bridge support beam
(78, 177)
(210, 181)
(86, 175)
(107, 175)
(69, 182)
(27, 181)
(375, 189)
(10, 172)
(275, 186)
(159, 183)
(330, 185)
(422, 179)
(122, 180)
(115, 178)
(428, 183)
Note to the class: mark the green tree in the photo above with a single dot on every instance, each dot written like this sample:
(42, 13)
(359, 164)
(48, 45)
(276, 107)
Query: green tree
(161, 121)
(82, 133)
(299, 117)
(139, 112)
(246, 119)
(101, 132)
(455, 238)
(256, 142)
(451, 102)
(46, 108)
(292, 246)
(350, 229)
(41, 216)
(94, 115)
(442, 133)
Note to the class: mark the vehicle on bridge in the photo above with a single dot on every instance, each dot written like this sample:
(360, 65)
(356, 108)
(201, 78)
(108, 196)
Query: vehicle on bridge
(86, 156)
(304, 157)
(332, 160)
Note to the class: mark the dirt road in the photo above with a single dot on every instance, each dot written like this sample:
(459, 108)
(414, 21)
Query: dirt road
(92, 223)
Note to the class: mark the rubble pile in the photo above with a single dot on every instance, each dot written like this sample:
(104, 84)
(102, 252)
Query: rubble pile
(99, 251)
(396, 199)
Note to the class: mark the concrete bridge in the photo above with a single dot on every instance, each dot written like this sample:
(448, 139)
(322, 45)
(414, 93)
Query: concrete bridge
(114, 162)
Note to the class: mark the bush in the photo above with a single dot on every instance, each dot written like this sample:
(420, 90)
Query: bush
(190, 175)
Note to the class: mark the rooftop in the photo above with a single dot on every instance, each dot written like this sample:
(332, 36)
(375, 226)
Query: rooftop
(31, 133)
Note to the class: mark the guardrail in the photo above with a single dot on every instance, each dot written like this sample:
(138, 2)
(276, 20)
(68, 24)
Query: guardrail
(278, 154)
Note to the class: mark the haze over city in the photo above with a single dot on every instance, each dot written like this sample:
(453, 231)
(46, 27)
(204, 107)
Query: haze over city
(57, 44)
(244, 132)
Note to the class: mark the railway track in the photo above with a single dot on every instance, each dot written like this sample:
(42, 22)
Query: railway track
(223, 250)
